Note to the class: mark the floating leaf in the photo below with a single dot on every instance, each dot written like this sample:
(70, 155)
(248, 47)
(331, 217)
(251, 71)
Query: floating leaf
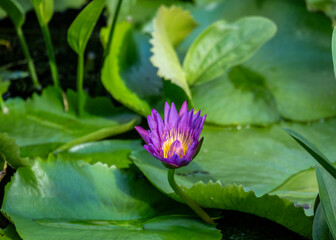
(327, 191)
(223, 45)
(263, 160)
(110, 152)
(93, 202)
(238, 97)
(82, 27)
(171, 26)
(41, 124)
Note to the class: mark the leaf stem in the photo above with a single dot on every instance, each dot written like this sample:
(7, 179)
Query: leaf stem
(114, 23)
(51, 55)
(31, 66)
(194, 206)
(80, 79)
(2, 105)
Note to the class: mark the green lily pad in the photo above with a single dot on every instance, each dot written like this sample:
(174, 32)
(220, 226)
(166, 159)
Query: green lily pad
(10, 152)
(296, 63)
(263, 160)
(238, 97)
(42, 124)
(63, 200)
(110, 152)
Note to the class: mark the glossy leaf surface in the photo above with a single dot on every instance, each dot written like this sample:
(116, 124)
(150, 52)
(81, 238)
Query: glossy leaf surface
(93, 202)
(170, 27)
(42, 124)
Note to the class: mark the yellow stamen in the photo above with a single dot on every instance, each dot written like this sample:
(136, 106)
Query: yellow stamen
(184, 139)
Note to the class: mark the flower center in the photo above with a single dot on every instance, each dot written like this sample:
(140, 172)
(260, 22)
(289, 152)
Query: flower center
(176, 143)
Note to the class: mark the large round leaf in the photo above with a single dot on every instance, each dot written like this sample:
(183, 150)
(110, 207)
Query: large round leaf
(262, 160)
(110, 152)
(296, 64)
(44, 123)
(63, 200)
(238, 97)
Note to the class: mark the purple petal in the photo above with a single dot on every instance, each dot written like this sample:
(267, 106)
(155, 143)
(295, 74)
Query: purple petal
(196, 117)
(173, 117)
(191, 151)
(143, 133)
(152, 151)
(159, 122)
(183, 109)
(166, 113)
(176, 161)
(183, 124)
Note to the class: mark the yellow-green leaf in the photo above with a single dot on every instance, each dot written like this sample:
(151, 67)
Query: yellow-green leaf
(171, 26)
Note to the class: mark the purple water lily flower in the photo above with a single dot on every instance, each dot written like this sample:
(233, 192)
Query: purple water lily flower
(176, 140)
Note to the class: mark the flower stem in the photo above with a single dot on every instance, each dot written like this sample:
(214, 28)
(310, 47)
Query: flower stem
(51, 55)
(31, 66)
(194, 206)
(80, 79)
(114, 23)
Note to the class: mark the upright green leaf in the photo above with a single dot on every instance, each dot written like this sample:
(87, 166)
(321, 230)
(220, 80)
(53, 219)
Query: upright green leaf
(327, 190)
(333, 49)
(44, 10)
(14, 11)
(320, 226)
(66, 200)
(171, 26)
(127, 73)
(309, 147)
(10, 152)
(223, 45)
(82, 27)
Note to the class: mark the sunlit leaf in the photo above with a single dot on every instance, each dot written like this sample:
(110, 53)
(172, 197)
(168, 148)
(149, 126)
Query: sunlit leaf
(223, 45)
(171, 26)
